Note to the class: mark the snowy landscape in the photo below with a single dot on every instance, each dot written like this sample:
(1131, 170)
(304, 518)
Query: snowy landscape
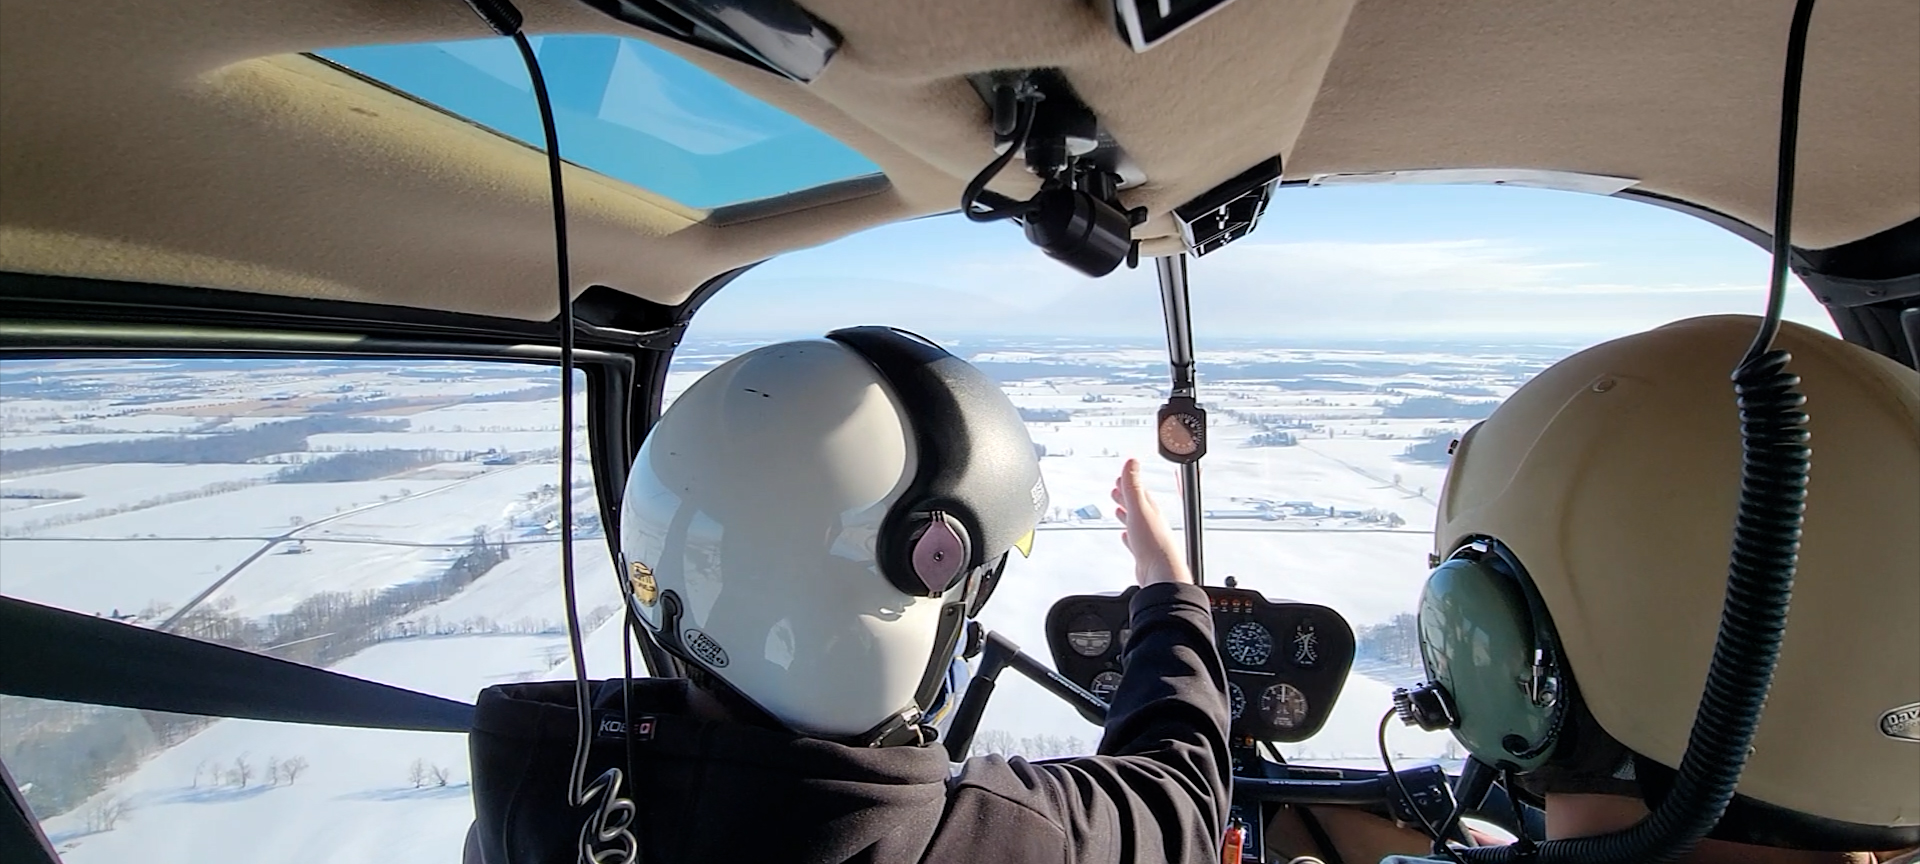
(397, 521)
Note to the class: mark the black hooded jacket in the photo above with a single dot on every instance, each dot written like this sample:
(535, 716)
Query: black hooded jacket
(1156, 791)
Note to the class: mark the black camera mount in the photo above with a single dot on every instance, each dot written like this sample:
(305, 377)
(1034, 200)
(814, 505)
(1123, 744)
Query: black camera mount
(1076, 217)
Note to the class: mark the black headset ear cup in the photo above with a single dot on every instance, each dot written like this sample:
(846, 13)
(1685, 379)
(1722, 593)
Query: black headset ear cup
(939, 554)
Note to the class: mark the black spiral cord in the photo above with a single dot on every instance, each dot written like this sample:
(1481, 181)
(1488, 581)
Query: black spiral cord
(1766, 543)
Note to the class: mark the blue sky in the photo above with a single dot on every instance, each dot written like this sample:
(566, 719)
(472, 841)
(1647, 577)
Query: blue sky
(1327, 264)
(624, 108)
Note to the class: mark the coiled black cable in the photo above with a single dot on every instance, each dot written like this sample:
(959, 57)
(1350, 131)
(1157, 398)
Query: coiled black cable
(1766, 547)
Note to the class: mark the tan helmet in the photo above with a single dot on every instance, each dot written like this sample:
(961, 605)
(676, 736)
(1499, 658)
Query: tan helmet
(1613, 477)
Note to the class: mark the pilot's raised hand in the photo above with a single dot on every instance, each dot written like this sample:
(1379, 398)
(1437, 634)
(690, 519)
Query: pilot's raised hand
(1156, 558)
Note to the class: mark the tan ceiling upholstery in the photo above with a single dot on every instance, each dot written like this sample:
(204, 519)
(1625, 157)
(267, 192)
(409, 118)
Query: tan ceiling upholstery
(151, 140)
(1684, 97)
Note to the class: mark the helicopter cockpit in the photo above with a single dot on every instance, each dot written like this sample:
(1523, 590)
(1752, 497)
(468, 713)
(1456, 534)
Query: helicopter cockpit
(331, 335)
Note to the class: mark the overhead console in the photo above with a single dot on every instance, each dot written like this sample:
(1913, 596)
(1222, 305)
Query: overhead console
(1286, 662)
(1229, 211)
(1146, 23)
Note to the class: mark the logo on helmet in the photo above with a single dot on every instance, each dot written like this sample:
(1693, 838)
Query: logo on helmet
(645, 589)
(705, 648)
(1902, 723)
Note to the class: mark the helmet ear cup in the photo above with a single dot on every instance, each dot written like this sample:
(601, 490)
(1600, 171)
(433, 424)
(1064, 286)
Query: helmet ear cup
(939, 554)
(1485, 647)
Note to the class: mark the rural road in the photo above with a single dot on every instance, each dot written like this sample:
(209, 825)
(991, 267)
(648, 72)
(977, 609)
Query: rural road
(292, 534)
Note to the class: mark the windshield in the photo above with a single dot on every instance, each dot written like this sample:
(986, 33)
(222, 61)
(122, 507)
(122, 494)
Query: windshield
(1340, 348)
(395, 519)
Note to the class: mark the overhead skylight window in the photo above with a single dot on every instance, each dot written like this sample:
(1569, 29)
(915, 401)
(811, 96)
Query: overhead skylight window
(623, 108)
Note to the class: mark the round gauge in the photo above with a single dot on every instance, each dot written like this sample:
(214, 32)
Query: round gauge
(1105, 683)
(1180, 434)
(1236, 700)
(1283, 706)
(1249, 644)
(1089, 636)
(1306, 646)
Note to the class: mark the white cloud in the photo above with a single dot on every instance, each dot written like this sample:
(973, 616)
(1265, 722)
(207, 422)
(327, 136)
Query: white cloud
(1285, 291)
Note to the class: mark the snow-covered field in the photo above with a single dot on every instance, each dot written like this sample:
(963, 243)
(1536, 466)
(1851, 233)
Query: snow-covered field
(1330, 512)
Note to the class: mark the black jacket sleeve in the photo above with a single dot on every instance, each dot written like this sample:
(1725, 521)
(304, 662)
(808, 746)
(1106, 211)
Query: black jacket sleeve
(1157, 790)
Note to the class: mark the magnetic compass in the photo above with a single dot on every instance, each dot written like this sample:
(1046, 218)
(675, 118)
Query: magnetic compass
(1182, 430)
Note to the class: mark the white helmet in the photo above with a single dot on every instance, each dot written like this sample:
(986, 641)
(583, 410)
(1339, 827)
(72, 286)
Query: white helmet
(813, 522)
(1612, 478)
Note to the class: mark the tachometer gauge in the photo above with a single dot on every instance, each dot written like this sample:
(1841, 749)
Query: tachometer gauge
(1283, 706)
(1306, 646)
(1236, 700)
(1089, 636)
(1105, 683)
(1249, 644)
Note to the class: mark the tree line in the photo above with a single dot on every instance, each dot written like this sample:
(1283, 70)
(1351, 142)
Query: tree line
(240, 445)
(1435, 449)
(1439, 408)
(356, 465)
(1396, 640)
(331, 625)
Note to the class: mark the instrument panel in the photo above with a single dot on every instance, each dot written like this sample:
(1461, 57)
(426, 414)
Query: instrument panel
(1286, 662)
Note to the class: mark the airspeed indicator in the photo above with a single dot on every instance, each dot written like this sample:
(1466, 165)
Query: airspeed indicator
(1249, 644)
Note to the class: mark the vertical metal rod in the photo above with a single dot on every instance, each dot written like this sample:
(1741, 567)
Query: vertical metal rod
(1173, 301)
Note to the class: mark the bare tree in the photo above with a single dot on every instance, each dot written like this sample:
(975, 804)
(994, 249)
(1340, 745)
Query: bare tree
(106, 813)
(291, 768)
(994, 741)
(417, 773)
(273, 771)
(241, 772)
(438, 774)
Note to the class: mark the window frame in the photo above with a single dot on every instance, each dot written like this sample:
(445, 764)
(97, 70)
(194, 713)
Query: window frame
(623, 345)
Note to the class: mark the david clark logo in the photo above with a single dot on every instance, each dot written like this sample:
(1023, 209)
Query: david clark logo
(1902, 723)
(705, 648)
